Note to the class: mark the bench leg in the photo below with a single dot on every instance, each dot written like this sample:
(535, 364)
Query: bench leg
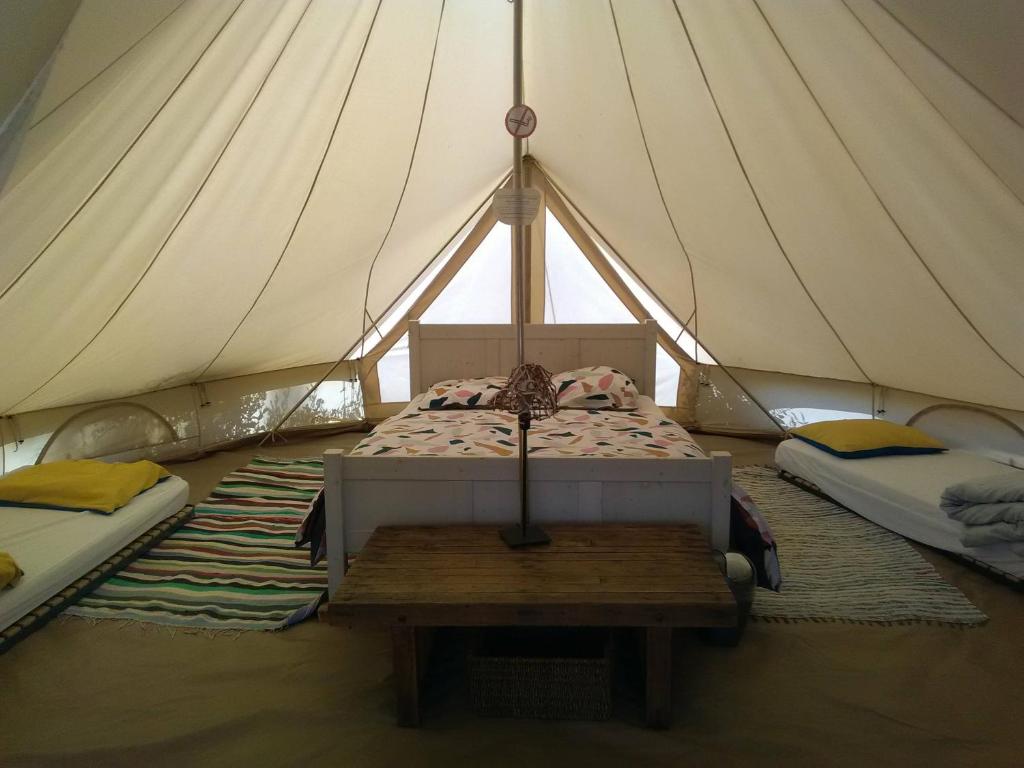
(659, 676)
(407, 675)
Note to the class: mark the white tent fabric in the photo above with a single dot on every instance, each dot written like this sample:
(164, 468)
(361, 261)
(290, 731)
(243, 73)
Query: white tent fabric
(212, 189)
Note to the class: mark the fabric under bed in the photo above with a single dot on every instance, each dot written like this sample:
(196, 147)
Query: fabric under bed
(901, 493)
(643, 433)
(54, 547)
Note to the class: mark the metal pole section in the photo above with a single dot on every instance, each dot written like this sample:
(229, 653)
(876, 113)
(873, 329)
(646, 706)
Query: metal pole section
(524, 485)
(518, 231)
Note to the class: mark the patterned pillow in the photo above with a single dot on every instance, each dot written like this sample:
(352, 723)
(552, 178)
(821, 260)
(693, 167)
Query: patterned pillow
(597, 388)
(454, 394)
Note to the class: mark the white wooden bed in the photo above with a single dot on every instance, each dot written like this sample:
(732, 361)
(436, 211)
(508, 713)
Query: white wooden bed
(363, 492)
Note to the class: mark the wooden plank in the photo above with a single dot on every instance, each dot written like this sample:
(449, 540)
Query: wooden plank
(591, 575)
(433, 549)
(466, 587)
(675, 577)
(559, 613)
(404, 593)
(433, 554)
(625, 537)
(473, 590)
(406, 674)
(416, 385)
(659, 676)
(600, 562)
(536, 235)
(607, 564)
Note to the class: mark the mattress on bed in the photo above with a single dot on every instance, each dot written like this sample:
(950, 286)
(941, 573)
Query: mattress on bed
(54, 547)
(902, 493)
(642, 433)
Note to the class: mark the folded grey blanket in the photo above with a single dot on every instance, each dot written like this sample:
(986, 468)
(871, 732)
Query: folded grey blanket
(992, 508)
(996, 533)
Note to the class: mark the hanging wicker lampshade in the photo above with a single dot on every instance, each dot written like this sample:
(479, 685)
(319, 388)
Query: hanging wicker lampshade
(529, 389)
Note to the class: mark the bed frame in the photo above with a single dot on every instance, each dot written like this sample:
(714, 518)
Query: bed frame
(363, 492)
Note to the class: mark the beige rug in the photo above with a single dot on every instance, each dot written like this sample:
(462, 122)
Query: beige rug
(839, 567)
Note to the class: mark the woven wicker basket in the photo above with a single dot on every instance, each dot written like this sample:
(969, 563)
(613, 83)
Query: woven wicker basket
(554, 674)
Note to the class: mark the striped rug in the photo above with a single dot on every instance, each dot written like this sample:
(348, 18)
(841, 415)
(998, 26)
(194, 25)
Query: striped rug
(234, 565)
(839, 567)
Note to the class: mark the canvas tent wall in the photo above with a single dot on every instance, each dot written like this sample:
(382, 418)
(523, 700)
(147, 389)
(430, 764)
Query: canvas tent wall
(828, 195)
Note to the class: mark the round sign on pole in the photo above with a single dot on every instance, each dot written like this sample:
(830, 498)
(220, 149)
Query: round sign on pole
(520, 121)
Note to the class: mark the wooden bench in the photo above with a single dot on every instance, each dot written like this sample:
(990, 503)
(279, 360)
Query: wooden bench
(655, 577)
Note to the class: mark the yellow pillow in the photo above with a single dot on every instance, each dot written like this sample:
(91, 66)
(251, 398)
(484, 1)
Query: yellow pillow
(864, 438)
(9, 571)
(79, 485)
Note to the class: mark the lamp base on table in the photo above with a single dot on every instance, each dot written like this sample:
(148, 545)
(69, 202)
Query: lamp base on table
(517, 536)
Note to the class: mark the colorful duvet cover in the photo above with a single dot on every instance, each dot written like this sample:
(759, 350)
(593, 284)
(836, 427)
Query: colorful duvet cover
(643, 433)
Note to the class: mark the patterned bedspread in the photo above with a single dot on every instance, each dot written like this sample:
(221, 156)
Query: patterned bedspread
(643, 434)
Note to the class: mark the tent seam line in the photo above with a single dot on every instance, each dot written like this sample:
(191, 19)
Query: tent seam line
(408, 174)
(387, 233)
(757, 198)
(953, 69)
(99, 74)
(184, 213)
(931, 103)
(116, 165)
(879, 199)
(654, 171)
(309, 196)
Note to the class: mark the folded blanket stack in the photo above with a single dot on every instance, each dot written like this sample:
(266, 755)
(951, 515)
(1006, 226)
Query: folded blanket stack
(991, 508)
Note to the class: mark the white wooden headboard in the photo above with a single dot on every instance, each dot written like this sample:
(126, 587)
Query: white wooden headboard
(439, 352)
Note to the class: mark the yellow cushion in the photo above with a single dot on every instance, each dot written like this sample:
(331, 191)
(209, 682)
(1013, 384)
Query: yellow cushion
(864, 438)
(9, 571)
(84, 484)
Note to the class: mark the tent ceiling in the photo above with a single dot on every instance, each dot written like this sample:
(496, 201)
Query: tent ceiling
(213, 182)
(980, 40)
(28, 34)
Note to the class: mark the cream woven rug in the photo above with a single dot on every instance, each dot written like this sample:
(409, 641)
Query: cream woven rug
(839, 567)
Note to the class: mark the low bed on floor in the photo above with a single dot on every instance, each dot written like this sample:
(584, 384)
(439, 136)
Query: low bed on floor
(901, 493)
(56, 547)
(589, 466)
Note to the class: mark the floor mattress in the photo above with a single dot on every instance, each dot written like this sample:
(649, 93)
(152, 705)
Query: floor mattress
(54, 547)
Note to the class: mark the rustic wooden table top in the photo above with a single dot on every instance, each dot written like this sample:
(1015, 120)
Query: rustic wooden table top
(590, 575)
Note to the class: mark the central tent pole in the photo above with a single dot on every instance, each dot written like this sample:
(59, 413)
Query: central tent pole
(518, 230)
(518, 256)
(523, 393)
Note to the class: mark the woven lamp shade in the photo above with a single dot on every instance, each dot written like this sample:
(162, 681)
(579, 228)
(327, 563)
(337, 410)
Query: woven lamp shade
(529, 389)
